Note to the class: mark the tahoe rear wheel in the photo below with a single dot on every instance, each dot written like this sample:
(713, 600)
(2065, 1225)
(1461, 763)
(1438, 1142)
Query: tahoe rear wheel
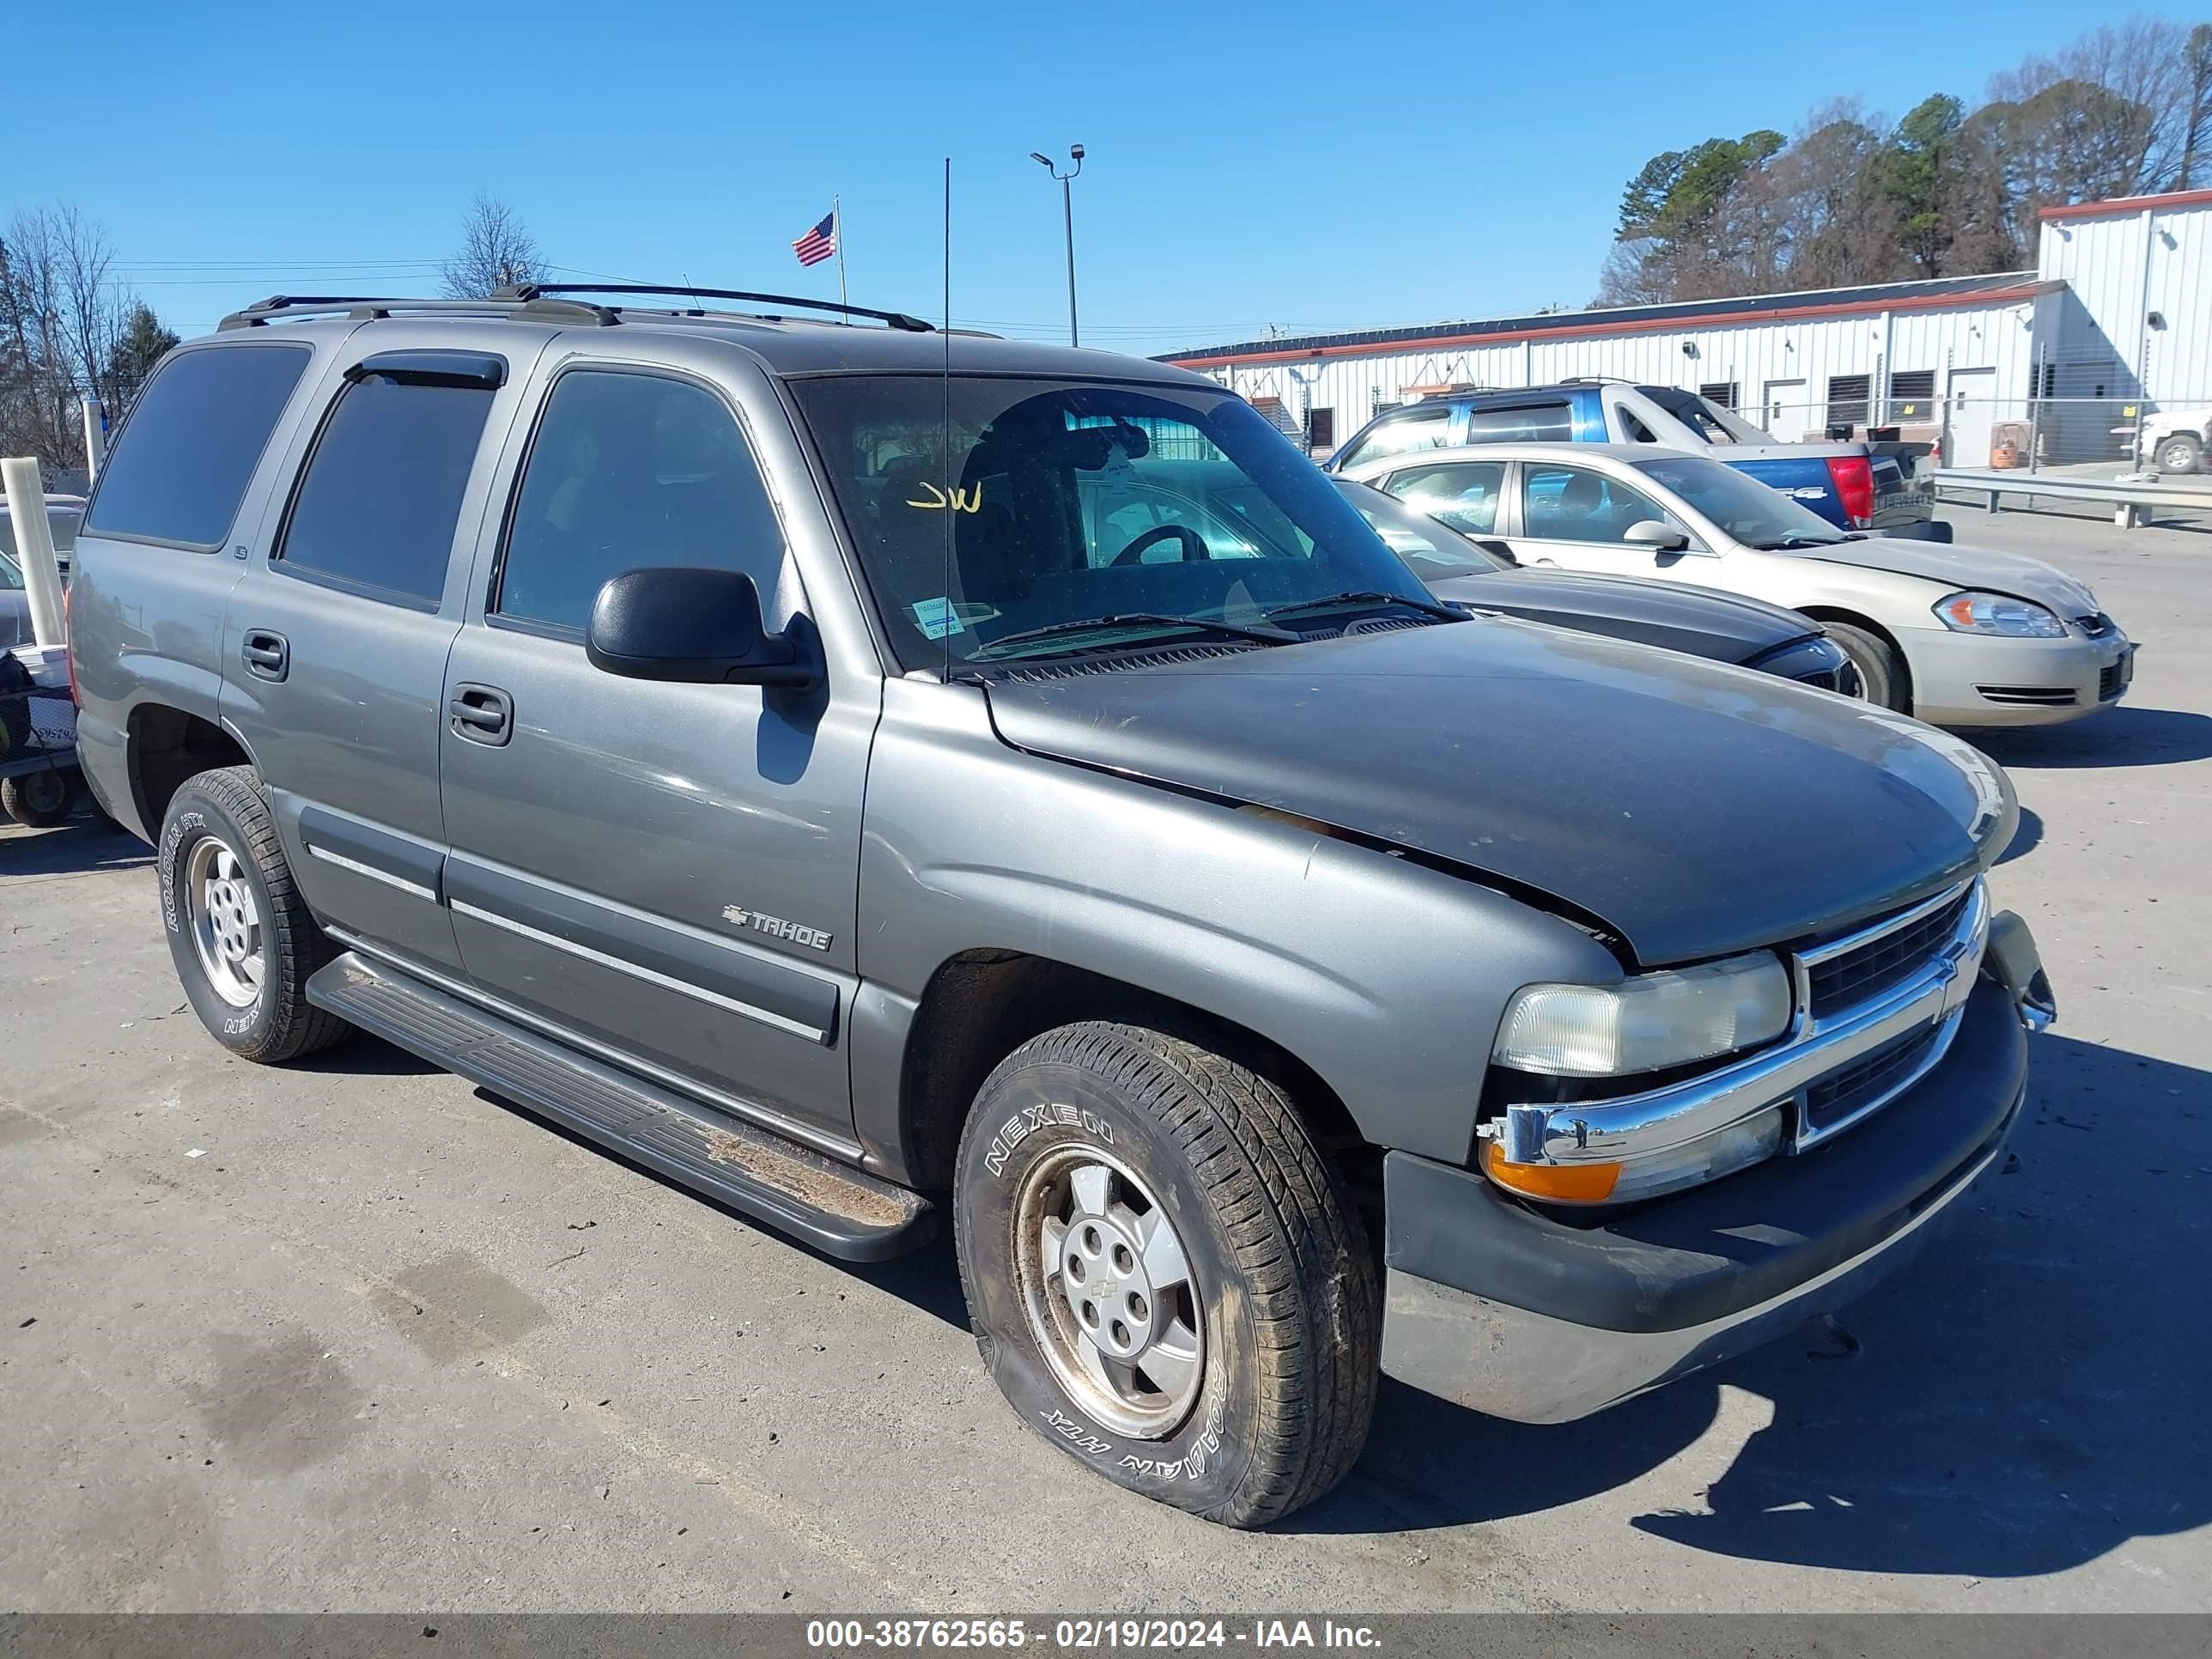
(1882, 675)
(1166, 1277)
(239, 933)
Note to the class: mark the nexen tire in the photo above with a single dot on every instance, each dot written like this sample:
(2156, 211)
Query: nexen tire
(226, 806)
(1277, 1266)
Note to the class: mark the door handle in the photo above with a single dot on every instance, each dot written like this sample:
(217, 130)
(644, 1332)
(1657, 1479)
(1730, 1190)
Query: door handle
(267, 655)
(482, 714)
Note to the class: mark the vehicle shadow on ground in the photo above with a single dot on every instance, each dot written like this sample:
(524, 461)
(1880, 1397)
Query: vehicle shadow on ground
(82, 843)
(2027, 1396)
(362, 1054)
(2025, 839)
(926, 1279)
(2118, 737)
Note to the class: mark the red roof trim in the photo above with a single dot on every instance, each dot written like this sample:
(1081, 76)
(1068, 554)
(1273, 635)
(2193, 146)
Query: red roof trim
(1636, 325)
(2125, 204)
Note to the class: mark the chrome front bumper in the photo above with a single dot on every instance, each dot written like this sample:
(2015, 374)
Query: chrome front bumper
(1530, 1367)
(1629, 1127)
(1521, 1312)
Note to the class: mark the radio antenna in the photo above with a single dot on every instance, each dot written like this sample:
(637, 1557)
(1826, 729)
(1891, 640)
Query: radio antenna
(951, 616)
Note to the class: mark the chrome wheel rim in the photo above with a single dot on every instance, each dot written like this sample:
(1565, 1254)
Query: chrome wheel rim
(1109, 1292)
(225, 921)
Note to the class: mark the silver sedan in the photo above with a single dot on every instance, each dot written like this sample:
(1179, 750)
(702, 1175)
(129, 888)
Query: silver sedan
(1957, 635)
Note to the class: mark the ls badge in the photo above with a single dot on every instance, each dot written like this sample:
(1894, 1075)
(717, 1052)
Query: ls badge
(776, 926)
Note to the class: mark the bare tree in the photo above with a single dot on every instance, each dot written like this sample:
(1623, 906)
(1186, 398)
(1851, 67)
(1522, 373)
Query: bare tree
(63, 316)
(2196, 125)
(1836, 226)
(496, 249)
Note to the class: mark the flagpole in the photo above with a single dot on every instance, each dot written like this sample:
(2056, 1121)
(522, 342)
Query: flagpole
(837, 224)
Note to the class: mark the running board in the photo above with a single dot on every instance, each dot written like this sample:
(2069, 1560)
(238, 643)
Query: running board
(833, 1206)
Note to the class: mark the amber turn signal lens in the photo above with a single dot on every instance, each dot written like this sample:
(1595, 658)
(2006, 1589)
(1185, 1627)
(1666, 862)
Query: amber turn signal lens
(1567, 1183)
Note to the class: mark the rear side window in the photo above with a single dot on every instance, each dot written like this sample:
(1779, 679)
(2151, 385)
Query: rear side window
(382, 491)
(1402, 435)
(188, 450)
(1462, 493)
(1705, 416)
(1522, 423)
(630, 471)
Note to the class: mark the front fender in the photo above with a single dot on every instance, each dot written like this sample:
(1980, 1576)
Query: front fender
(1387, 978)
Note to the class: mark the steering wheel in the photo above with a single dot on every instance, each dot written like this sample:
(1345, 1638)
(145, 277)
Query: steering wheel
(1193, 544)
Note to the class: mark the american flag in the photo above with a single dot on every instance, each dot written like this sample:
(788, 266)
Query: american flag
(819, 243)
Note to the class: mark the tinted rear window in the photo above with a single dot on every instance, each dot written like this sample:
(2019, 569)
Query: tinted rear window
(1402, 435)
(1525, 423)
(383, 489)
(189, 449)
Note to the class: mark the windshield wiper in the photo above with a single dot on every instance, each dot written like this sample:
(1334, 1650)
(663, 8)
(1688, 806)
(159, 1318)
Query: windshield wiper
(1798, 544)
(1364, 596)
(1131, 618)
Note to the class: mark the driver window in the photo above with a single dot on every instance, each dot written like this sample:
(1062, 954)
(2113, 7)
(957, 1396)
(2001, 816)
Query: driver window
(627, 470)
(1575, 504)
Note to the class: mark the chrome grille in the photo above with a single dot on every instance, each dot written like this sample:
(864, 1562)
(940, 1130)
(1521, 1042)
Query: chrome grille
(1841, 1096)
(1864, 971)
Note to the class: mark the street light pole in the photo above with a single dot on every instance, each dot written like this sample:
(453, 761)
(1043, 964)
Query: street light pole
(1068, 219)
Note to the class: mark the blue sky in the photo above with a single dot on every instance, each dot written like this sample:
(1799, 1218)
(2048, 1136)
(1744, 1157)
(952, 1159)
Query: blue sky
(1297, 165)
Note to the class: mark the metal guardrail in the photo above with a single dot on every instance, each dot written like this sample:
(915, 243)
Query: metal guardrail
(2130, 500)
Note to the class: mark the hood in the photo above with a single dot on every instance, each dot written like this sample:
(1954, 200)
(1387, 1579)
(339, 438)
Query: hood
(1672, 615)
(1954, 567)
(1695, 809)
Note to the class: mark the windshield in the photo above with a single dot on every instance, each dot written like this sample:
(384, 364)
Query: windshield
(1703, 417)
(1432, 548)
(11, 576)
(1746, 509)
(1069, 503)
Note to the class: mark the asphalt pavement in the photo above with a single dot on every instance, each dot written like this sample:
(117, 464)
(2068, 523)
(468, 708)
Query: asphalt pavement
(354, 1336)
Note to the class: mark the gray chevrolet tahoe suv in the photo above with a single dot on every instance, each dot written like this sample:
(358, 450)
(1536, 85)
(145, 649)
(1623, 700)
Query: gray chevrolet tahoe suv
(862, 774)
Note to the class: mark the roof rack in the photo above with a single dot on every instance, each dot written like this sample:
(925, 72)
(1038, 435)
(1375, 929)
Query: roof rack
(898, 320)
(369, 305)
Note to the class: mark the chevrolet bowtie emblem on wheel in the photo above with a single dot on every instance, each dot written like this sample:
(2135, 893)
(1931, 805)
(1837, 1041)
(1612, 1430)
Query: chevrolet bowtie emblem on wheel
(776, 926)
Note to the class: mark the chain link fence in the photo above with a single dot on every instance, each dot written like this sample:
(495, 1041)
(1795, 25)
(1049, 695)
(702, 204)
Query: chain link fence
(2094, 437)
(2090, 437)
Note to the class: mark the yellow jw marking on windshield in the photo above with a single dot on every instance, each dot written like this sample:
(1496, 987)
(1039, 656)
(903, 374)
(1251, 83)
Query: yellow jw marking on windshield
(961, 500)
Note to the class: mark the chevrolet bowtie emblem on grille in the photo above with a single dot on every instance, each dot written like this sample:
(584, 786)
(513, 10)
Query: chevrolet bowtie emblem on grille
(814, 938)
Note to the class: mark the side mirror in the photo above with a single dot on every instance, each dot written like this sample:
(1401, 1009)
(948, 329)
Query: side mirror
(1495, 549)
(697, 626)
(1659, 538)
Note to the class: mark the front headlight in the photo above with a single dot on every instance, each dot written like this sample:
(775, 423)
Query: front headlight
(1998, 613)
(1647, 1023)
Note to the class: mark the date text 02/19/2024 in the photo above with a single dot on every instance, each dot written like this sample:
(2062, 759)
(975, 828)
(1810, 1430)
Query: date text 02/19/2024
(1086, 1635)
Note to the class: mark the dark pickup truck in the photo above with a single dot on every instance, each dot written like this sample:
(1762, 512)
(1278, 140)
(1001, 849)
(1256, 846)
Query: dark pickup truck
(800, 758)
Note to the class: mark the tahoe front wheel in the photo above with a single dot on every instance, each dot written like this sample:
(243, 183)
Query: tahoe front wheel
(1167, 1279)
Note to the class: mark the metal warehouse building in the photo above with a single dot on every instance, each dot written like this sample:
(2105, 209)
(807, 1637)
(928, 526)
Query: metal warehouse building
(2117, 318)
